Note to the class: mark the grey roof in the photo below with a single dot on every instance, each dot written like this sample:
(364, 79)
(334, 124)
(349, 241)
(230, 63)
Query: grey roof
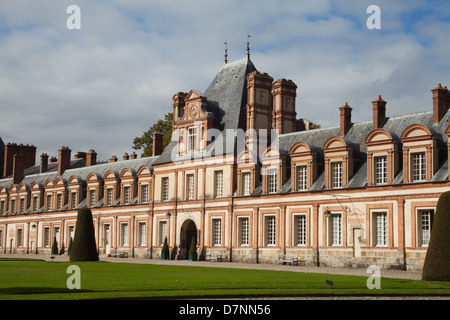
(78, 171)
(226, 100)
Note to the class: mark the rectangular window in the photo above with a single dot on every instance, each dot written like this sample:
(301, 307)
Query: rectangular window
(2, 207)
(165, 189)
(162, 232)
(92, 200)
(19, 242)
(1, 238)
(35, 204)
(109, 196)
(302, 177)
(300, 230)
(380, 229)
(217, 232)
(190, 186)
(272, 180)
(124, 234)
(144, 193)
(270, 229)
(381, 170)
(49, 202)
(21, 205)
(246, 183)
(46, 237)
(426, 218)
(13, 206)
(419, 167)
(142, 233)
(243, 231)
(335, 229)
(218, 184)
(192, 139)
(126, 195)
(58, 201)
(336, 174)
(73, 200)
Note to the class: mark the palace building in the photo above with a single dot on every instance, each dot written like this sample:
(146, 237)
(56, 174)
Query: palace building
(246, 179)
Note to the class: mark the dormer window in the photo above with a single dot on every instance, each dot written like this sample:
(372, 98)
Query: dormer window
(419, 166)
(302, 177)
(381, 170)
(336, 175)
(420, 153)
(271, 180)
(192, 139)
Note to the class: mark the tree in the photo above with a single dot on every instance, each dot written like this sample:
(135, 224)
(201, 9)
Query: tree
(193, 250)
(165, 250)
(437, 261)
(54, 246)
(145, 142)
(83, 247)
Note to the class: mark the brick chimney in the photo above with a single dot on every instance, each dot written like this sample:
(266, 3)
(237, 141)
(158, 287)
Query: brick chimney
(53, 159)
(157, 143)
(91, 158)
(379, 112)
(80, 155)
(18, 168)
(44, 163)
(441, 102)
(345, 119)
(113, 159)
(63, 160)
(126, 156)
(284, 115)
(28, 152)
(133, 155)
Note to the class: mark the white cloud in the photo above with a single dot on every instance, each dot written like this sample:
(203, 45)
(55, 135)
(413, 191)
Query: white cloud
(101, 86)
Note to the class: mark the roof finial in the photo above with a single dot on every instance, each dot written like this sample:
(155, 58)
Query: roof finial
(226, 52)
(248, 45)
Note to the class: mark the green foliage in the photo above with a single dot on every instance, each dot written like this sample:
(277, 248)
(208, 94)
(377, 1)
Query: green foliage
(165, 250)
(145, 142)
(54, 246)
(84, 247)
(193, 250)
(69, 248)
(437, 260)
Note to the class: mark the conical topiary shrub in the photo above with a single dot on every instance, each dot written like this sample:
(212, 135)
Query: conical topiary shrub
(193, 250)
(83, 247)
(54, 247)
(165, 250)
(69, 248)
(437, 260)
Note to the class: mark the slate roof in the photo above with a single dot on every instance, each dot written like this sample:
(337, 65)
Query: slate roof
(226, 100)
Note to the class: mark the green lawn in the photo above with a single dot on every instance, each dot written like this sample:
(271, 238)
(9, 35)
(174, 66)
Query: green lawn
(47, 280)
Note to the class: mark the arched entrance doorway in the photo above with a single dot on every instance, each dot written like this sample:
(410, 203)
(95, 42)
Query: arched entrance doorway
(187, 232)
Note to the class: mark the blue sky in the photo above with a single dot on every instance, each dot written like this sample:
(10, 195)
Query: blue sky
(101, 86)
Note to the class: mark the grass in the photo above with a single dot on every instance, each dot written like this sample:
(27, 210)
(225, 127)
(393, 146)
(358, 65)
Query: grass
(20, 280)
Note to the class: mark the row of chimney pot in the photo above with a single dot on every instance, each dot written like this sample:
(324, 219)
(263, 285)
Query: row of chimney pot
(20, 157)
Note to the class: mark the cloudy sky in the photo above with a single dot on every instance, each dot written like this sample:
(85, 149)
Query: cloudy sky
(102, 85)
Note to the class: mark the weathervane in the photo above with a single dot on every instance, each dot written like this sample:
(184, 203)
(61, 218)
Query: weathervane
(226, 52)
(248, 45)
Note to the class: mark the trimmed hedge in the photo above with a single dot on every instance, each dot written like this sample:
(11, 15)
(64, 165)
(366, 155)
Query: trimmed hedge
(83, 246)
(437, 260)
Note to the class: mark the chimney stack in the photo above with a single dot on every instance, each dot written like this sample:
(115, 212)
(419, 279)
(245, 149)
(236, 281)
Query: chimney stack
(91, 158)
(64, 160)
(379, 112)
(345, 119)
(284, 117)
(134, 155)
(157, 143)
(28, 152)
(441, 102)
(126, 156)
(44, 163)
(113, 159)
(18, 168)
(80, 155)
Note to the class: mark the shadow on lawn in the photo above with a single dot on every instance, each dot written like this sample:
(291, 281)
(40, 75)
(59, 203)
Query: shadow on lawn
(38, 290)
